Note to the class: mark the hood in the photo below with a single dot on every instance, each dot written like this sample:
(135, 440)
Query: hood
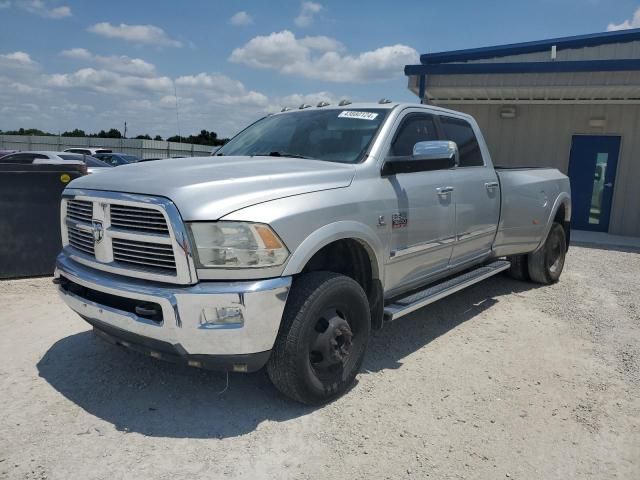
(208, 188)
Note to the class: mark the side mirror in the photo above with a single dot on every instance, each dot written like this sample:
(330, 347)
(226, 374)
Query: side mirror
(427, 156)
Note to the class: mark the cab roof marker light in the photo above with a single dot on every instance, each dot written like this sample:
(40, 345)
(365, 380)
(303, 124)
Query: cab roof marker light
(344, 102)
(304, 105)
(384, 100)
(322, 104)
(285, 109)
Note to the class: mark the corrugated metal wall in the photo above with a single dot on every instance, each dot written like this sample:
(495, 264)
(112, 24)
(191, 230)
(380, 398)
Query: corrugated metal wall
(540, 135)
(142, 148)
(611, 51)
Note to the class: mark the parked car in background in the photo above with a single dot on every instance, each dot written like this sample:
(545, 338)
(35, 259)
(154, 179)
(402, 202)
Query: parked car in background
(4, 153)
(88, 150)
(91, 164)
(116, 159)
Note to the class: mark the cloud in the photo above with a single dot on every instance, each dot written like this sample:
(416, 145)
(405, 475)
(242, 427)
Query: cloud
(627, 24)
(114, 63)
(40, 7)
(17, 59)
(146, 34)
(308, 11)
(5, 4)
(241, 19)
(220, 89)
(108, 82)
(322, 58)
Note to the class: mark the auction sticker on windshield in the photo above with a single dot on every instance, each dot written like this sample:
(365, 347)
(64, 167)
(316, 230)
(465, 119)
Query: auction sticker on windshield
(358, 115)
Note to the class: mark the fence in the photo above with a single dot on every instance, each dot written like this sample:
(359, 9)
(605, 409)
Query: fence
(141, 148)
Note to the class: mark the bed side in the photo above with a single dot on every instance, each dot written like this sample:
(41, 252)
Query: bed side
(531, 199)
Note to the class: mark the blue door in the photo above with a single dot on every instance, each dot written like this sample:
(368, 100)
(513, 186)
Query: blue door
(592, 172)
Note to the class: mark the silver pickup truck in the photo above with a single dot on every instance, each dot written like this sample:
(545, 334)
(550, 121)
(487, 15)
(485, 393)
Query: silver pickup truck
(306, 231)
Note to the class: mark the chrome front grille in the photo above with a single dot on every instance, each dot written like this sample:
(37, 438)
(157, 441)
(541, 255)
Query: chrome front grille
(80, 210)
(80, 239)
(133, 235)
(138, 219)
(144, 254)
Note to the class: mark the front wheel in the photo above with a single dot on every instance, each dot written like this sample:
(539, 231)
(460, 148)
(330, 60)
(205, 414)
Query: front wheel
(322, 340)
(546, 264)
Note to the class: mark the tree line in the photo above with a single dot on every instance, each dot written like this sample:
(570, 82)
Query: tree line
(203, 138)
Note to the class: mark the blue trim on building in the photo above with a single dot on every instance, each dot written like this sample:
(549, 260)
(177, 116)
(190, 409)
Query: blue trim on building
(579, 41)
(524, 67)
(422, 80)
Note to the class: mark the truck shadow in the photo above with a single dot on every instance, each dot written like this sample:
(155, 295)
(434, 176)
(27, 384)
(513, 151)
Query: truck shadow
(154, 398)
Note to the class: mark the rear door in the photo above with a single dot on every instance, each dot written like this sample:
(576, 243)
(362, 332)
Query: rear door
(476, 195)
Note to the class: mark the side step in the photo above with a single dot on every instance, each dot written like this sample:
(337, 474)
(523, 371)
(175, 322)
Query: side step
(404, 305)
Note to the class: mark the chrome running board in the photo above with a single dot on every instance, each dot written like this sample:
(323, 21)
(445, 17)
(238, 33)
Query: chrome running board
(402, 306)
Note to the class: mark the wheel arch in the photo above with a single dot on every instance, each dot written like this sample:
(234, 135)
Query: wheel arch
(561, 212)
(342, 230)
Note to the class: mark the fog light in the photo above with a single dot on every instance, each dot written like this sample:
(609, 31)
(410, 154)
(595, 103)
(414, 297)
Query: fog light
(221, 317)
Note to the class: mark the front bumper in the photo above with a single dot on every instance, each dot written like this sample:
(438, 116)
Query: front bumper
(187, 327)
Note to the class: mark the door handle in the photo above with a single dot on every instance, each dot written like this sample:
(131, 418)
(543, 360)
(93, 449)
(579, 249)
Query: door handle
(608, 185)
(444, 191)
(491, 185)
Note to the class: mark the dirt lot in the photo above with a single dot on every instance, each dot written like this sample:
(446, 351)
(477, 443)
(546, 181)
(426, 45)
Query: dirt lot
(504, 380)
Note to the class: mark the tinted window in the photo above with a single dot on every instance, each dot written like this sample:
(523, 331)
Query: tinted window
(71, 156)
(333, 134)
(94, 162)
(415, 128)
(460, 131)
(18, 158)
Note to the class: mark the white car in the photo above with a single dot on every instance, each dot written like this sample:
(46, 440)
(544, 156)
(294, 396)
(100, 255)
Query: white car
(93, 165)
(88, 150)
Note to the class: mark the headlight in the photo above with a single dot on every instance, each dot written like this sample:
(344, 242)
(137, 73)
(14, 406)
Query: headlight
(237, 245)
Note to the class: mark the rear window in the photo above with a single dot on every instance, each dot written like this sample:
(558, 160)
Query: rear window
(103, 151)
(459, 131)
(94, 162)
(72, 156)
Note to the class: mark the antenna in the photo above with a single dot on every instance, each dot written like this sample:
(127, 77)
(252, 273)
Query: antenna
(175, 94)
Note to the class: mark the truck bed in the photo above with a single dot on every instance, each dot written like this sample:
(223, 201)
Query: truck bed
(528, 196)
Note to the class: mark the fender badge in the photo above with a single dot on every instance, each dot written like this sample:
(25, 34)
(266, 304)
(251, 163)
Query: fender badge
(399, 220)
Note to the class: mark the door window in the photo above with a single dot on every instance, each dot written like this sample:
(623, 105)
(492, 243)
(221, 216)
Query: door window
(598, 188)
(459, 131)
(414, 128)
(22, 158)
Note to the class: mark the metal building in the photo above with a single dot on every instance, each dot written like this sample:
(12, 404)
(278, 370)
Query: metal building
(572, 103)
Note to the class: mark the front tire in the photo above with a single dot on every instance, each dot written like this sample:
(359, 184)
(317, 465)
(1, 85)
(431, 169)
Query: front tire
(546, 263)
(322, 339)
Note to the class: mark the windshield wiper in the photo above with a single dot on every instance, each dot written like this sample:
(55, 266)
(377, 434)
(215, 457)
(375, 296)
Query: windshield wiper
(281, 154)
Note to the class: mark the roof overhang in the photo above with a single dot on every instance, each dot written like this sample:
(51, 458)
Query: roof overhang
(579, 41)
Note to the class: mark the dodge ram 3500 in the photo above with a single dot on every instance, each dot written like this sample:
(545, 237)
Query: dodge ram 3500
(307, 230)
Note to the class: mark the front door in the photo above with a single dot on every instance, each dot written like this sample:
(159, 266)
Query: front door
(592, 172)
(422, 212)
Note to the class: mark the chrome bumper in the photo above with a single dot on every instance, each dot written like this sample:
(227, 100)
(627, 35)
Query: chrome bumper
(191, 315)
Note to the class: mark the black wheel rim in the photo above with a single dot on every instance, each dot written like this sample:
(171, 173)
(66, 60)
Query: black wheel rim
(555, 254)
(331, 343)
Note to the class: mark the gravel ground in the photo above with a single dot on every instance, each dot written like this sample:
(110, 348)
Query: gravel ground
(503, 380)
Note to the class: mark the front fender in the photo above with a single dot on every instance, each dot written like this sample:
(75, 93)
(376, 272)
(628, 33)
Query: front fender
(330, 233)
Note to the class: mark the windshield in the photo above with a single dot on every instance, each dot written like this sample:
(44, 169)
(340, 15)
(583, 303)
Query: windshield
(334, 135)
